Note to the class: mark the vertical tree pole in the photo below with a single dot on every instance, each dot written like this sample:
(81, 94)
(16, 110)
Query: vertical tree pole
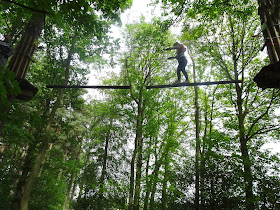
(137, 153)
(197, 139)
(139, 141)
(24, 50)
(104, 168)
(165, 179)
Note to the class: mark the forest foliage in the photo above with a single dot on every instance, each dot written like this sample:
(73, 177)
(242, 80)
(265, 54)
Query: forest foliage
(202, 147)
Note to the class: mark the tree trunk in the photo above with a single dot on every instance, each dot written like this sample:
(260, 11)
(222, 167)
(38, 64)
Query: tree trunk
(40, 157)
(148, 185)
(26, 47)
(1, 127)
(68, 191)
(73, 189)
(203, 152)
(155, 173)
(153, 191)
(69, 195)
(197, 152)
(131, 184)
(197, 140)
(138, 175)
(28, 186)
(104, 164)
(212, 190)
(60, 171)
(164, 185)
(20, 60)
(139, 140)
(22, 179)
(247, 174)
(103, 171)
(154, 183)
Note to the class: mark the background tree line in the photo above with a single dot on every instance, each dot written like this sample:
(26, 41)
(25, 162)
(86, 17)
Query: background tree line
(177, 148)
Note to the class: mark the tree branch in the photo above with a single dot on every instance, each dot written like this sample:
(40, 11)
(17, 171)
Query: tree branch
(264, 130)
(261, 116)
(27, 7)
(247, 91)
(131, 93)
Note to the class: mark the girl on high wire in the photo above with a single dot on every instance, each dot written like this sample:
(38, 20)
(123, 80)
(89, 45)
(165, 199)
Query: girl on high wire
(182, 61)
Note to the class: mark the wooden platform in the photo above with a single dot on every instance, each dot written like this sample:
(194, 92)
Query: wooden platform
(28, 91)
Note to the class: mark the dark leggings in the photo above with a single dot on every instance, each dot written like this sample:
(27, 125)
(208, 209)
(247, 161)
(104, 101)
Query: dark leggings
(181, 68)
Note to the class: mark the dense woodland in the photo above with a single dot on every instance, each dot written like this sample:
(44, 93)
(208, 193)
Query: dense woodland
(201, 147)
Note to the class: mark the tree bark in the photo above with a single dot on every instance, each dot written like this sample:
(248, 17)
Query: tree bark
(73, 189)
(68, 191)
(40, 157)
(148, 185)
(203, 152)
(26, 47)
(154, 182)
(69, 195)
(247, 174)
(197, 140)
(20, 60)
(139, 137)
(104, 164)
(197, 154)
(22, 180)
(29, 184)
(103, 171)
(131, 181)
(1, 127)
(164, 185)
(212, 191)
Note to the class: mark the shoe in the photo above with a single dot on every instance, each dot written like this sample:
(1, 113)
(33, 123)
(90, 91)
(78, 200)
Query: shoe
(176, 82)
(187, 81)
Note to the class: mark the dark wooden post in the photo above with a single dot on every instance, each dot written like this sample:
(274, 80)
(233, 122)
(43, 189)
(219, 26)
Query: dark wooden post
(269, 12)
(23, 54)
(21, 59)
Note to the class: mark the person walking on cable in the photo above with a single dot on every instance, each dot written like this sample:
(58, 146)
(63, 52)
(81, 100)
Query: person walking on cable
(182, 61)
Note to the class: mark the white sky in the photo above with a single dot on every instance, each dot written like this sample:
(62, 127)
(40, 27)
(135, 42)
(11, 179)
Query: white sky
(139, 8)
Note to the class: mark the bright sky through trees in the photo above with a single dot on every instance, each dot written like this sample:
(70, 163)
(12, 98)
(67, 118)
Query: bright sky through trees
(140, 8)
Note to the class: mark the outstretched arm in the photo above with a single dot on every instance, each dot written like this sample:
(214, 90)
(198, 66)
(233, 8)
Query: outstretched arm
(172, 48)
(171, 58)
